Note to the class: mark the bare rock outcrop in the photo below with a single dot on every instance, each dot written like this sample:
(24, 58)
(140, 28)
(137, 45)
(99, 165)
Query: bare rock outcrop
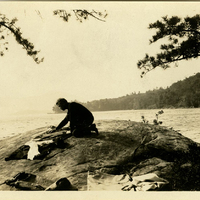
(122, 147)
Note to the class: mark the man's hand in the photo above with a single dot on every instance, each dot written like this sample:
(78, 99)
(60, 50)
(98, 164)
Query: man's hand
(52, 129)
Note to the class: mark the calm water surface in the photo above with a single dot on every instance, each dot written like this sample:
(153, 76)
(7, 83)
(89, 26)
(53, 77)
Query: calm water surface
(187, 121)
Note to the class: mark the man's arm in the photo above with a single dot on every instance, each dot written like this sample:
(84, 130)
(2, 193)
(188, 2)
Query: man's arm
(63, 123)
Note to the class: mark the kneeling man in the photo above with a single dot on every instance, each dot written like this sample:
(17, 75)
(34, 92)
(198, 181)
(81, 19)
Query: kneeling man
(80, 118)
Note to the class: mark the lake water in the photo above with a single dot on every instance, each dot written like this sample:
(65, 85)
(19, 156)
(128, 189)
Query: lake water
(187, 121)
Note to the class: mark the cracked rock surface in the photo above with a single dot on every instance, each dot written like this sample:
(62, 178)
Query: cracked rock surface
(122, 147)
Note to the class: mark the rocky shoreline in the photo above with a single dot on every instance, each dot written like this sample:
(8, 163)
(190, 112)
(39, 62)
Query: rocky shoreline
(121, 148)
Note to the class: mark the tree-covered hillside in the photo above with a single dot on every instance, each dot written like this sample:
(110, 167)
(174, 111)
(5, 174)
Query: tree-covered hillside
(182, 94)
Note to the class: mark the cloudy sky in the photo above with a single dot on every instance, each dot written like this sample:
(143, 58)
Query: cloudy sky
(84, 61)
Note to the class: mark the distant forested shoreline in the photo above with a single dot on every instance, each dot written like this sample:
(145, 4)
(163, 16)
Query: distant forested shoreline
(182, 94)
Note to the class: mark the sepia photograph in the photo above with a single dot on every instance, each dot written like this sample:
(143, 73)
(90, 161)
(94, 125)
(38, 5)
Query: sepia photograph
(99, 99)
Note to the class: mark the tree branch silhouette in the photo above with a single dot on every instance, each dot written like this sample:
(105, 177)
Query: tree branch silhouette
(81, 14)
(10, 25)
(183, 42)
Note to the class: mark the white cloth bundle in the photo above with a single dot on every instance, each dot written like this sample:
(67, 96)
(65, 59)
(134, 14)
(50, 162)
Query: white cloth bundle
(102, 181)
(34, 151)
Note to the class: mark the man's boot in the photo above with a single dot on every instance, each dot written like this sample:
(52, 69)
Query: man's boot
(94, 128)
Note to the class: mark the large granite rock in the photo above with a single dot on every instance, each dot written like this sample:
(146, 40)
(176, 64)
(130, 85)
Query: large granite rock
(122, 147)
